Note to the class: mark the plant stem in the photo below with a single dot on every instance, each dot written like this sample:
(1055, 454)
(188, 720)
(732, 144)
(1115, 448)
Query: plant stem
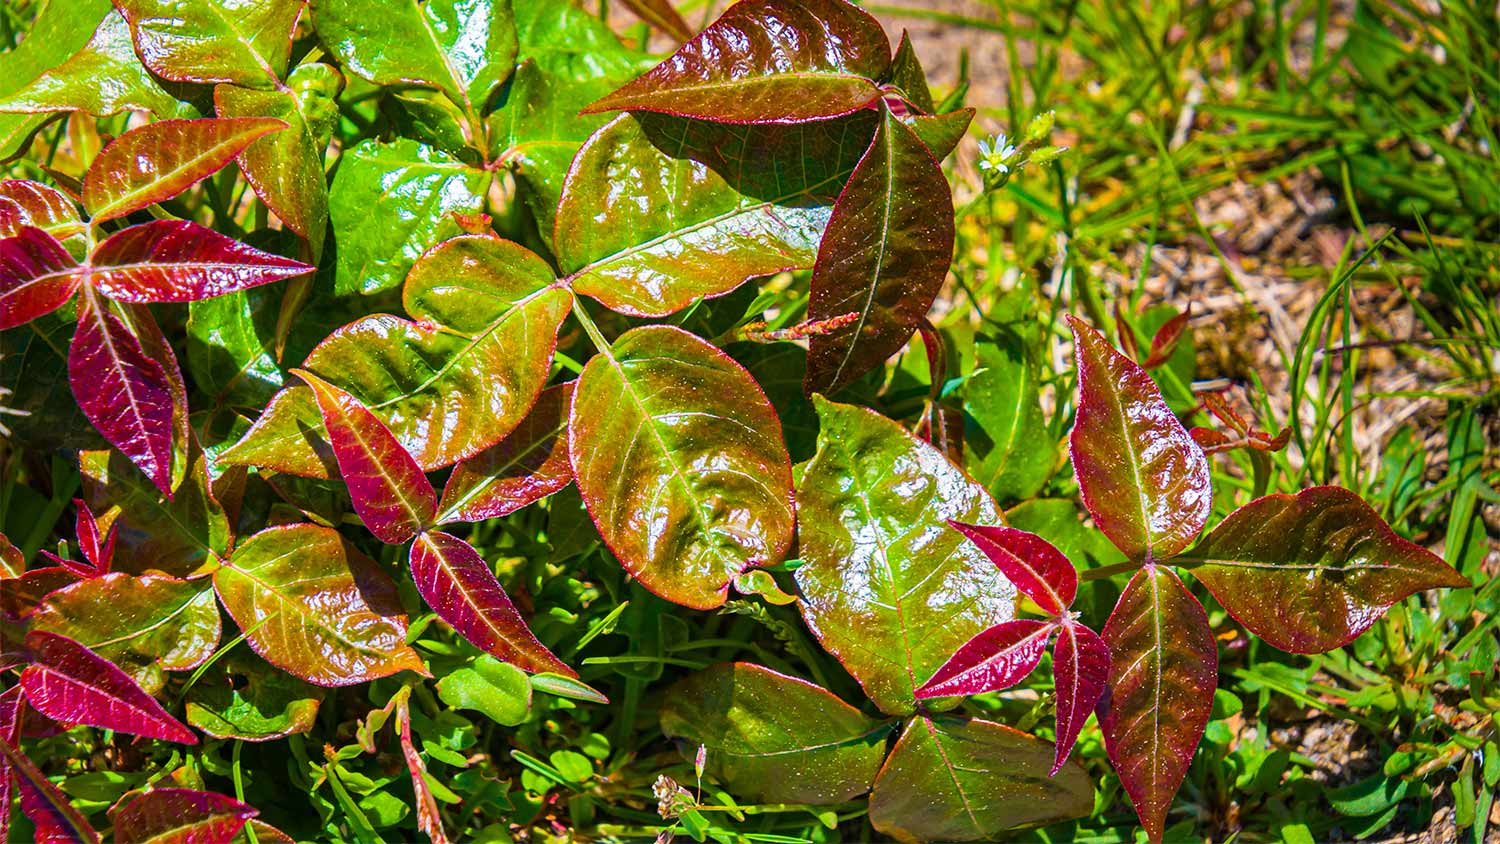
(582, 315)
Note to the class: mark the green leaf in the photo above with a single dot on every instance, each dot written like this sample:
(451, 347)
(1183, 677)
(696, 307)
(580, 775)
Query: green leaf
(774, 738)
(313, 605)
(765, 61)
(1009, 450)
(568, 58)
(680, 461)
(103, 77)
(178, 537)
(498, 689)
(60, 29)
(146, 625)
(285, 168)
(884, 257)
(958, 780)
(288, 437)
(464, 375)
(390, 203)
(247, 43)
(253, 702)
(908, 75)
(1310, 572)
(888, 587)
(717, 205)
(464, 48)
(231, 346)
(940, 133)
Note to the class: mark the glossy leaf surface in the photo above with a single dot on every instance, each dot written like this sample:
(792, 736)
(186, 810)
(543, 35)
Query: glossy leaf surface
(58, 30)
(464, 48)
(498, 689)
(764, 61)
(314, 606)
(528, 465)
(940, 133)
(954, 780)
(124, 393)
(1030, 562)
(48, 809)
(181, 261)
(884, 257)
(288, 437)
(27, 203)
(70, 683)
(157, 161)
(12, 561)
(392, 496)
(231, 349)
(103, 77)
(146, 625)
(1009, 448)
(680, 461)
(391, 202)
(888, 587)
(997, 658)
(247, 42)
(717, 206)
(37, 276)
(464, 374)
(1142, 477)
(180, 816)
(285, 168)
(1080, 666)
(462, 589)
(1310, 572)
(907, 74)
(1163, 670)
(774, 738)
(12, 713)
(255, 702)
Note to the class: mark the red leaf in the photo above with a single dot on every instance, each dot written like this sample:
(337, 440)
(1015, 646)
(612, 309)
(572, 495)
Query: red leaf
(100, 555)
(662, 15)
(1080, 666)
(124, 393)
(460, 587)
(155, 162)
(528, 465)
(181, 816)
(181, 261)
(429, 820)
(391, 494)
(37, 276)
(11, 710)
(26, 203)
(1042, 573)
(55, 819)
(767, 61)
(20, 595)
(1164, 343)
(1142, 477)
(68, 682)
(998, 658)
(1163, 669)
(1310, 572)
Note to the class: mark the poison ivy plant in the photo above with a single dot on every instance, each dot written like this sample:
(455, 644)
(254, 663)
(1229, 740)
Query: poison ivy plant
(572, 334)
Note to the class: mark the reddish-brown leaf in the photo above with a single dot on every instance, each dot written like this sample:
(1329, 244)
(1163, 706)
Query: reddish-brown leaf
(767, 61)
(27, 203)
(1165, 341)
(1310, 572)
(12, 561)
(157, 161)
(662, 15)
(1080, 668)
(528, 465)
(460, 587)
(391, 494)
(997, 658)
(1040, 571)
(70, 683)
(1142, 477)
(181, 816)
(429, 820)
(181, 261)
(20, 595)
(37, 276)
(883, 256)
(49, 810)
(1164, 666)
(122, 391)
(12, 710)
